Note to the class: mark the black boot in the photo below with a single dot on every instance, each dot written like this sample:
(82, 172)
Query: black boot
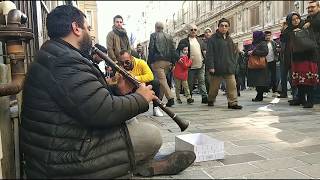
(204, 100)
(170, 102)
(309, 103)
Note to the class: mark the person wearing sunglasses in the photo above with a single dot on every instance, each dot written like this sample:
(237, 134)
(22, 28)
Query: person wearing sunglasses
(196, 49)
(221, 64)
(140, 70)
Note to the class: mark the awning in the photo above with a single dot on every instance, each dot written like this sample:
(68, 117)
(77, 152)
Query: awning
(247, 42)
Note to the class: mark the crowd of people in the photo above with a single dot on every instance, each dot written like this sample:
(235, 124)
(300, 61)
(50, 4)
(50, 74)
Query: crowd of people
(79, 120)
(215, 62)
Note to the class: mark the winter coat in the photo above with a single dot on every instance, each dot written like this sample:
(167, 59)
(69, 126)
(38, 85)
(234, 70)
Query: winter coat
(259, 77)
(221, 55)
(161, 47)
(141, 71)
(315, 27)
(180, 70)
(72, 126)
(114, 39)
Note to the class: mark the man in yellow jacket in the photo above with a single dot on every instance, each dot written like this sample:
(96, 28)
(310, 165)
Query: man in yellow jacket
(140, 70)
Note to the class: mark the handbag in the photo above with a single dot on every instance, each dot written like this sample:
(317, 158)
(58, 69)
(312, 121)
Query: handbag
(257, 62)
(302, 41)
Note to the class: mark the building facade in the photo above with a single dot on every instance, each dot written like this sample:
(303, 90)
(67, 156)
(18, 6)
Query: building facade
(89, 8)
(245, 17)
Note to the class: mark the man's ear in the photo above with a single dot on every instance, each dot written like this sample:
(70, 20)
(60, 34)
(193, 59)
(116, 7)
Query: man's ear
(76, 29)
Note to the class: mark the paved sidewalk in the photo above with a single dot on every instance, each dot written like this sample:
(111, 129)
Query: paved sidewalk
(266, 139)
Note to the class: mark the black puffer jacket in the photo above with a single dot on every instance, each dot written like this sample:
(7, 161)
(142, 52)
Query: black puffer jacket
(72, 126)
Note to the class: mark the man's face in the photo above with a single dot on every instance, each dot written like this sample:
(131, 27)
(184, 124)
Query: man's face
(86, 40)
(268, 37)
(193, 31)
(313, 8)
(139, 48)
(207, 34)
(125, 61)
(223, 27)
(118, 23)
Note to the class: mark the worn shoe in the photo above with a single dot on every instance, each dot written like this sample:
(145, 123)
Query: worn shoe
(210, 103)
(308, 105)
(295, 103)
(234, 106)
(170, 165)
(157, 112)
(204, 100)
(170, 102)
(282, 96)
(179, 101)
(256, 99)
(190, 100)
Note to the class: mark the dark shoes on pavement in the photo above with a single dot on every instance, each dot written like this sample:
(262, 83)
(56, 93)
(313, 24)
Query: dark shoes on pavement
(170, 102)
(256, 99)
(179, 101)
(210, 103)
(190, 100)
(204, 100)
(308, 105)
(236, 106)
(169, 165)
(282, 96)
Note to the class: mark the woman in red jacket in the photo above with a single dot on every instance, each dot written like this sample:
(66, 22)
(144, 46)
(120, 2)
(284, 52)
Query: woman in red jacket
(180, 73)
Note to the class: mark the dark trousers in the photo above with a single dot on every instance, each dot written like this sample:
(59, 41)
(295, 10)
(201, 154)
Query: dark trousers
(272, 75)
(156, 88)
(285, 72)
(260, 90)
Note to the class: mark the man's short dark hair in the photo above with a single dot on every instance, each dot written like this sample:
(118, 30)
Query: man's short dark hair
(314, 1)
(59, 20)
(267, 32)
(123, 51)
(117, 16)
(223, 20)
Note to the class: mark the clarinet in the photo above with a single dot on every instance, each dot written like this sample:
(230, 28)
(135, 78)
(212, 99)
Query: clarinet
(180, 122)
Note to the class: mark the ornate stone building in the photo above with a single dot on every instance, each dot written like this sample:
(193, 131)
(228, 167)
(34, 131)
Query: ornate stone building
(245, 17)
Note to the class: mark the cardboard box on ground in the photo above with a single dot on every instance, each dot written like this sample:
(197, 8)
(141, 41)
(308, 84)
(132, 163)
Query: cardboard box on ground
(205, 147)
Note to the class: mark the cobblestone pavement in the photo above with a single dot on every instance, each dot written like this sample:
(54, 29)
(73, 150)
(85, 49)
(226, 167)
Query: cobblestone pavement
(266, 139)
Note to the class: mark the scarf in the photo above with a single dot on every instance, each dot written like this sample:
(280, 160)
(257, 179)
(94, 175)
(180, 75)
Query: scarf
(124, 40)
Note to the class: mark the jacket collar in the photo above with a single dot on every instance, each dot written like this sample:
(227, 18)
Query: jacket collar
(61, 41)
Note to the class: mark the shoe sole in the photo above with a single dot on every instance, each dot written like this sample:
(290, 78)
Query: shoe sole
(175, 163)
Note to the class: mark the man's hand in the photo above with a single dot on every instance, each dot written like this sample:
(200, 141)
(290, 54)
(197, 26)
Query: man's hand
(124, 86)
(146, 92)
(306, 25)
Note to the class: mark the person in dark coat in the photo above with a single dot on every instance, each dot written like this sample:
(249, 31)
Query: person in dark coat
(73, 125)
(259, 77)
(304, 65)
(221, 64)
(313, 23)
